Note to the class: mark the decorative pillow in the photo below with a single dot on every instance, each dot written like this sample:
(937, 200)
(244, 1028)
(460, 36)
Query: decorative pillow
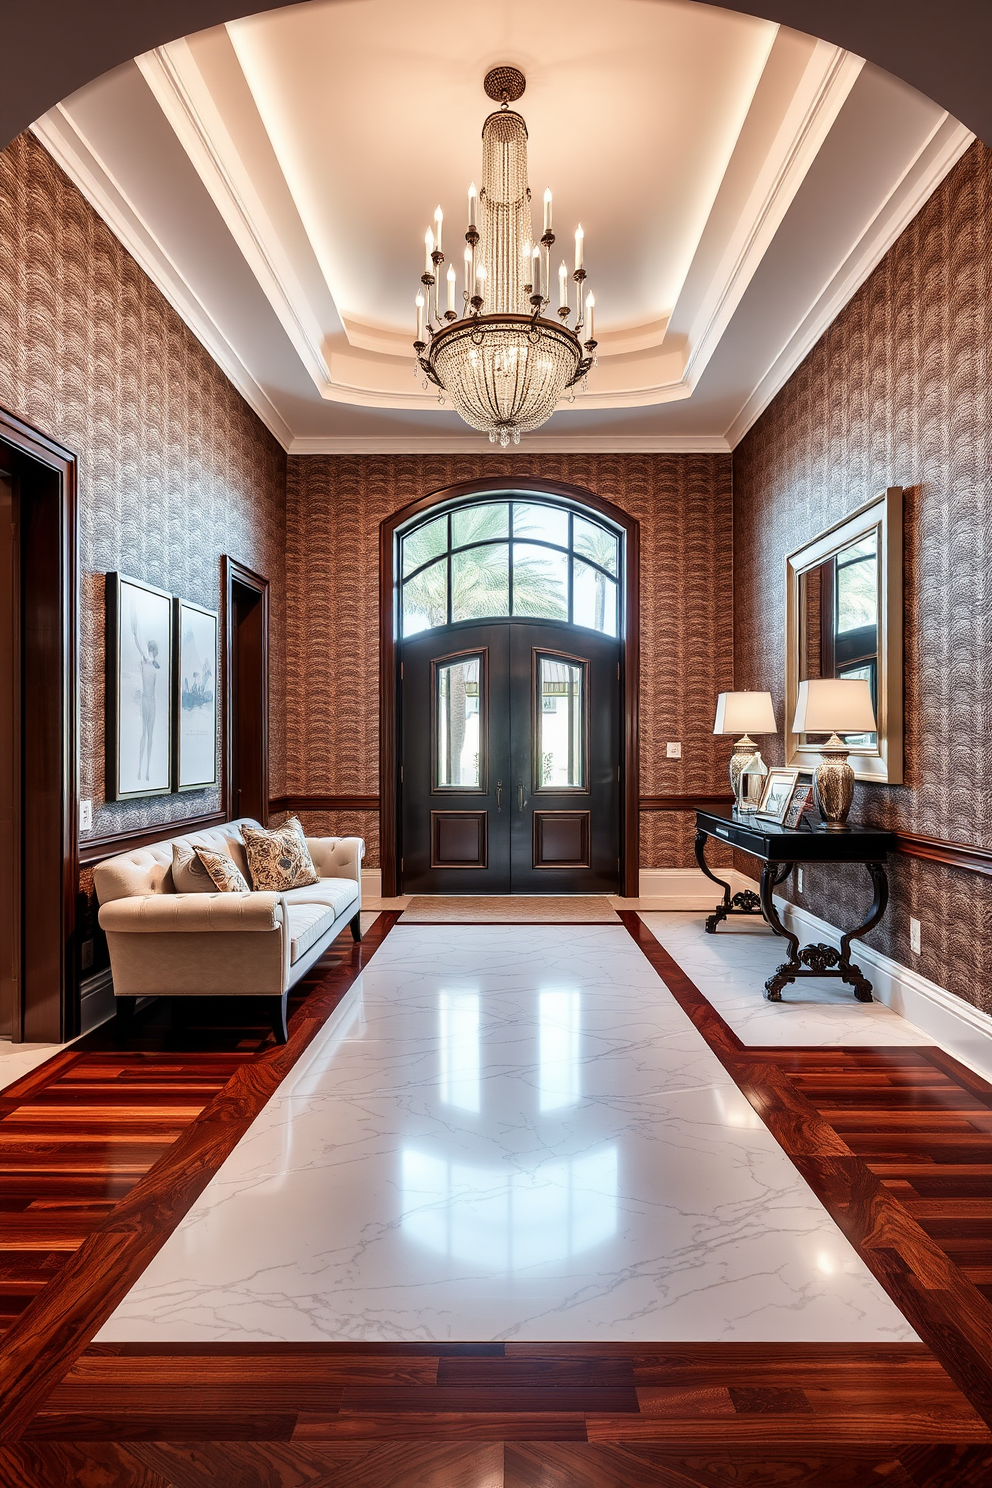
(188, 874)
(279, 859)
(224, 871)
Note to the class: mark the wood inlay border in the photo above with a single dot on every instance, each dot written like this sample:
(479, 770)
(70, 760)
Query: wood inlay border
(56, 1327)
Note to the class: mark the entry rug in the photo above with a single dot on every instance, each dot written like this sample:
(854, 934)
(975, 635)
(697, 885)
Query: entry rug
(509, 909)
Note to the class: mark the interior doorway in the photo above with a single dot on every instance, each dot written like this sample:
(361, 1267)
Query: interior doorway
(38, 740)
(509, 692)
(247, 620)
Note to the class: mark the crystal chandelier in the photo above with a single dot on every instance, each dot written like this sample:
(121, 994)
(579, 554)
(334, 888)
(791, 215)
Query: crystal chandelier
(504, 366)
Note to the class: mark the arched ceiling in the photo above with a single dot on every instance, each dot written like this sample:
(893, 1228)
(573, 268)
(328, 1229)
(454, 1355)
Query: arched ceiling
(53, 47)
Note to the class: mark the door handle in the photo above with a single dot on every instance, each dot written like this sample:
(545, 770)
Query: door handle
(520, 795)
(499, 795)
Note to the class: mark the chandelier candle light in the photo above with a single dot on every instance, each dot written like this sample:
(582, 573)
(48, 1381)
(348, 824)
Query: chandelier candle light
(503, 364)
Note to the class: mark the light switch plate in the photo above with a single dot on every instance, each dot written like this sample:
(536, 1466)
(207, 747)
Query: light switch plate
(86, 816)
(674, 751)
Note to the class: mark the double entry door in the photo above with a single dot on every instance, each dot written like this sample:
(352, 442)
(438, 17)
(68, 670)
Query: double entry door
(510, 752)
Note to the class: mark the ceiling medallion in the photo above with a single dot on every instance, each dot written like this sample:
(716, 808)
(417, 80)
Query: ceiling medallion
(504, 366)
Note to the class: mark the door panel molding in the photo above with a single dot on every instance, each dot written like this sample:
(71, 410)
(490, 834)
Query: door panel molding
(460, 839)
(437, 663)
(389, 762)
(562, 839)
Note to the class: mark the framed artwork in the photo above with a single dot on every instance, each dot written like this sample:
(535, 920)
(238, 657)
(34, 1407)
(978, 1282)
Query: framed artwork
(139, 689)
(195, 696)
(802, 797)
(780, 784)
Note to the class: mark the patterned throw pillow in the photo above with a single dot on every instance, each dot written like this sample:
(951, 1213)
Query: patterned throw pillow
(224, 871)
(188, 874)
(279, 859)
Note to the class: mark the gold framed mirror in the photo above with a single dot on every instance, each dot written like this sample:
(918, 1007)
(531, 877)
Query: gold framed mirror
(844, 619)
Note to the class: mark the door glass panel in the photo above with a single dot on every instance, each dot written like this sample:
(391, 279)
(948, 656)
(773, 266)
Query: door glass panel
(480, 583)
(427, 542)
(548, 523)
(425, 599)
(471, 524)
(594, 599)
(595, 543)
(540, 582)
(457, 737)
(561, 706)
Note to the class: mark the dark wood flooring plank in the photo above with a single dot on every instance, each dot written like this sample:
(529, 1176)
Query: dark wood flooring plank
(51, 1333)
(434, 1426)
(88, 1465)
(244, 1425)
(244, 1465)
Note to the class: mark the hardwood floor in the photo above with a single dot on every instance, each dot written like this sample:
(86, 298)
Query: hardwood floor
(103, 1149)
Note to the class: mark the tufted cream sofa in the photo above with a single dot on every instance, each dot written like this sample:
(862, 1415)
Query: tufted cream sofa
(164, 944)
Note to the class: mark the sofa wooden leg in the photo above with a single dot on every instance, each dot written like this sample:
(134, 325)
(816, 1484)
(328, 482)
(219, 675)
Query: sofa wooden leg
(277, 1010)
(356, 926)
(124, 1016)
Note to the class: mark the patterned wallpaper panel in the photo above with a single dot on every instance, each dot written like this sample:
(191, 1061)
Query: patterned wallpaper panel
(898, 392)
(334, 506)
(174, 467)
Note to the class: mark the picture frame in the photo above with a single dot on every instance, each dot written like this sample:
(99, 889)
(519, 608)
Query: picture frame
(139, 689)
(777, 794)
(802, 797)
(195, 661)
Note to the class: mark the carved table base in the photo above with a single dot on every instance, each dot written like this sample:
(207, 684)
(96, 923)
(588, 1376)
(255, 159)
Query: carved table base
(822, 960)
(745, 902)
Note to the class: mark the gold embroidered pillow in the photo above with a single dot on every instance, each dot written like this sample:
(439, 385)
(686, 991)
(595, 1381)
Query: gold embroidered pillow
(188, 874)
(224, 871)
(280, 859)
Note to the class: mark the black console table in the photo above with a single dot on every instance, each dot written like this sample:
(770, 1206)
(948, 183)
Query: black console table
(780, 849)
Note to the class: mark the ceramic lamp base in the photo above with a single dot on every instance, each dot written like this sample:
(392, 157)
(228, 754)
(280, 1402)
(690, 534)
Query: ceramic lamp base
(833, 786)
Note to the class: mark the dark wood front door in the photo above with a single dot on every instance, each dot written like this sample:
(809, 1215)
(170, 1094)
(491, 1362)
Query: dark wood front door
(510, 750)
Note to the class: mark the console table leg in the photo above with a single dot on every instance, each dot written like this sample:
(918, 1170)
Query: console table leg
(847, 971)
(743, 902)
(770, 876)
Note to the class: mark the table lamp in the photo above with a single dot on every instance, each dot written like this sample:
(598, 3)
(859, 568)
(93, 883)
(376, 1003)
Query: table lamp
(834, 706)
(743, 713)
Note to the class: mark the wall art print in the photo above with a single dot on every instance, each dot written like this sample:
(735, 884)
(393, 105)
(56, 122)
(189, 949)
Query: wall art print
(195, 687)
(139, 689)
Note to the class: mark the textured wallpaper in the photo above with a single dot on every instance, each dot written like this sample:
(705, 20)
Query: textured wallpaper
(898, 392)
(174, 467)
(334, 506)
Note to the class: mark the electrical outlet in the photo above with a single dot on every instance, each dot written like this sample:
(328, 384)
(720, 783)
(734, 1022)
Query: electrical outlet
(799, 880)
(914, 936)
(86, 816)
(674, 751)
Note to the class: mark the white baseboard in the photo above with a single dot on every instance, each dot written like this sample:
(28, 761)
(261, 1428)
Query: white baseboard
(686, 888)
(96, 1000)
(371, 883)
(951, 1022)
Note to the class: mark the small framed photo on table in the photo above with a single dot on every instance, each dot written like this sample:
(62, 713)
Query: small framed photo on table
(802, 797)
(780, 784)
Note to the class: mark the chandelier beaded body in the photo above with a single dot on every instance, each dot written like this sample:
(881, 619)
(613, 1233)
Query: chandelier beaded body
(503, 364)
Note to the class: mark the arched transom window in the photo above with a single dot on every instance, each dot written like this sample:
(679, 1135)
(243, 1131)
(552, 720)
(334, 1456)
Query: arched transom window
(510, 558)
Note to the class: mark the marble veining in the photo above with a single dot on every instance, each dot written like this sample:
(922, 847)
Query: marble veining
(507, 1132)
(730, 969)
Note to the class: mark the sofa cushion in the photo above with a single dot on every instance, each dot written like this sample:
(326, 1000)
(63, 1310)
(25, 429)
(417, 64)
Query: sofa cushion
(279, 859)
(307, 923)
(189, 876)
(226, 875)
(336, 893)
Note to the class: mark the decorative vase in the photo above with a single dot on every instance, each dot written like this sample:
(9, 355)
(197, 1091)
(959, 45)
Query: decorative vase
(833, 785)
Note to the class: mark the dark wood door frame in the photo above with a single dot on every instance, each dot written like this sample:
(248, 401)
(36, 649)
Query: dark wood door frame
(389, 680)
(47, 1007)
(237, 575)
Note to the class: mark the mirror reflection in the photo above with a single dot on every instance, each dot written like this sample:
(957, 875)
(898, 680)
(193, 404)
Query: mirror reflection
(839, 620)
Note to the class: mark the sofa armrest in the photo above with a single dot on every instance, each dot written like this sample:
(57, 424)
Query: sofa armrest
(337, 857)
(152, 913)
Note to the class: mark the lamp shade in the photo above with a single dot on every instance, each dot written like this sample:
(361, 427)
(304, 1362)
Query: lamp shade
(834, 705)
(745, 713)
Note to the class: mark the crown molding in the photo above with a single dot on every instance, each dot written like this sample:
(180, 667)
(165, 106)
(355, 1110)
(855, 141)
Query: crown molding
(58, 134)
(936, 159)
(532, 444)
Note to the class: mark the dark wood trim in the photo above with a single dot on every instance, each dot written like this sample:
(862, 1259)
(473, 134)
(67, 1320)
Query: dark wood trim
(956, 854)
(324, 803)
(49, 1005)
(57, 1325)
(233, 572)
(389, 682)
(684, 803)
(95, 849)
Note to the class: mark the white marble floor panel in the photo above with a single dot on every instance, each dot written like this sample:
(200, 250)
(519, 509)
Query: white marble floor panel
(730, 969)
(20, 1059)
(508, 1132)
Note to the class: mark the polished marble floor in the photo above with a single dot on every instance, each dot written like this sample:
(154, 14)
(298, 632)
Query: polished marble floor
(730, 969)
(508, 1133)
